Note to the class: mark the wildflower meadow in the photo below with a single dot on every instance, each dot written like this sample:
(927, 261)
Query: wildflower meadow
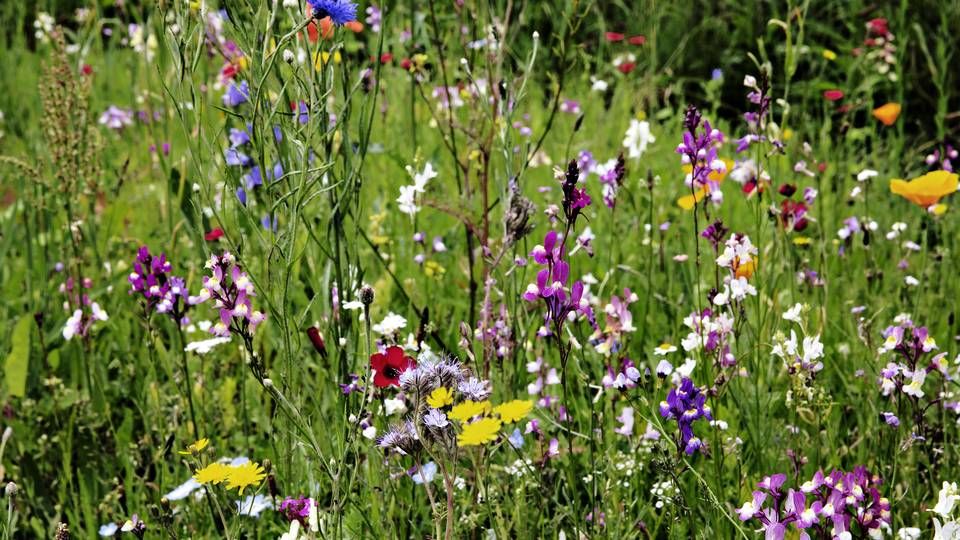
(497, 269)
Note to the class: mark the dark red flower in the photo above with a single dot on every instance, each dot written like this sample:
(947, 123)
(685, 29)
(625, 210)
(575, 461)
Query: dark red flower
(213, 235)
(406, 63)
(787, 190)
(626, 67)
(878, 26)
(614, 37)
(833, 95)
(637, 40)
(386, 58)
(388, 367)
(87, 69)
(314, 334)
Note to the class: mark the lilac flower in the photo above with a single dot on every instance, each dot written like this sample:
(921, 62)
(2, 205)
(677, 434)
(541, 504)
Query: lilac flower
(232, 290)
(686, 404)
(339, 11)
(436, 419)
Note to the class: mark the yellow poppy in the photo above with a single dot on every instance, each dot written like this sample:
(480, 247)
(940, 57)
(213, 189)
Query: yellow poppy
(887, 114)
(926, 190)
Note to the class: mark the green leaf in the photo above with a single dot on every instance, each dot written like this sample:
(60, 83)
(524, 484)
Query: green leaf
(18, 361)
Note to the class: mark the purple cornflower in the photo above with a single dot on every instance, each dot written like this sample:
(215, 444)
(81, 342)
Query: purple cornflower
(231, 289)
(686, 404)
(151, 277)
(339, 11)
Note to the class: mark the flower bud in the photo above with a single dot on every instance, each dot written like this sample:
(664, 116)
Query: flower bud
(11, 490)
(366, 295)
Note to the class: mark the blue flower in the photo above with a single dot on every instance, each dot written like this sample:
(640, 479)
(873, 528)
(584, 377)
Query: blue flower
(340, 12)
(237, 94)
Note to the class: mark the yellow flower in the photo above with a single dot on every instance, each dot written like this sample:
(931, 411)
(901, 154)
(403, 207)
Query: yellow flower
(829, 55)
(480, 432)
(887, 114)
(242, 476)
(196, 447)
(213, 473)
(801, 241)
(512, 411)
(687, 202)
(433, 269)
(439, 398)
(938, 209)
(926, 190)
(468, 409)
(745, 269)
(321, 58)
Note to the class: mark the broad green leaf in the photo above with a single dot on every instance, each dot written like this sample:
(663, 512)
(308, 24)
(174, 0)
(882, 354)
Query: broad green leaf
(18, 361)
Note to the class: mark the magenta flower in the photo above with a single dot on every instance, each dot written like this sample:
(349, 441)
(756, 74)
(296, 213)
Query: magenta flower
(231, 290)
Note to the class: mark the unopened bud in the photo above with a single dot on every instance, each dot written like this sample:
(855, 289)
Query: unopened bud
(11, 490)
(366, 295)
(289, 56)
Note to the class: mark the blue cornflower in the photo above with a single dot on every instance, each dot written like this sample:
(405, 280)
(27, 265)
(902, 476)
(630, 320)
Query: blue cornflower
(237, 94)
(340, 12)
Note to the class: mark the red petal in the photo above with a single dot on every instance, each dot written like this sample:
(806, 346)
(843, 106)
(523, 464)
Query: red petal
(637, 40)
(213, 235)
(614, 36)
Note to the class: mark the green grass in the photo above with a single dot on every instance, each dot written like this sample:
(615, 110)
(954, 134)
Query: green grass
(97, 421)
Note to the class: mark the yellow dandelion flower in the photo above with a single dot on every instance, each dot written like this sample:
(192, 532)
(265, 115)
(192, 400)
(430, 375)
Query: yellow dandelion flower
(468, 409)
(480, 432)
(240, 477)
(512, 411)
(440, 398)
(214, 473)
(196, 447)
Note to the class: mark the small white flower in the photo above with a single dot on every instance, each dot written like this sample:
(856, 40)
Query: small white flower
(793, 314)
(637, 138)
(206, 345)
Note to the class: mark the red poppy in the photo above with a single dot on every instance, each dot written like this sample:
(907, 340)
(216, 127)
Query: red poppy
(637, 40)
(213, 235)
(626, 67)
(388, 367)
(833, 95)
(614, 37)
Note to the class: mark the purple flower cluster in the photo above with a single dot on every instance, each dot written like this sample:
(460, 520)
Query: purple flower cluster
(551, 284)
(297, 508)
(151, 278)
(699, 150)
(231, 290)
(574, 199)
(686, 404)
(841, 502)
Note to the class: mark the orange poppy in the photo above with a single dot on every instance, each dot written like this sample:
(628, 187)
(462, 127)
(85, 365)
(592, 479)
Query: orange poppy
(887, 114)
